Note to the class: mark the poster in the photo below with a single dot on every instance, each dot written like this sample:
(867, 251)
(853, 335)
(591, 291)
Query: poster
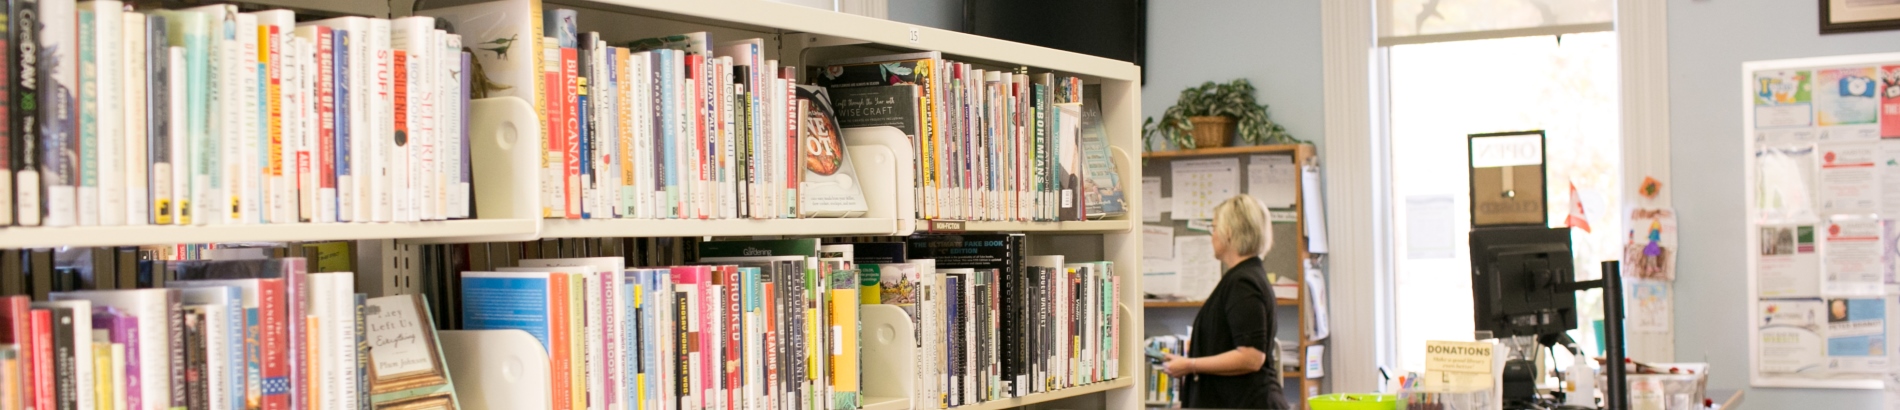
(1783, 98)
(1151, 199)
(1273, 180)
(1890, 102)
(1787, 265)
(1157, 242)
(1160, 279)
(1857, 335)
(1201, 184)
(1845, 105)
(1784, 183)
(1197, 268)
(1650, 249)
(1789, 336)
(1429, 222)
(1849, 179)
(1851, 258)
(1649, 306)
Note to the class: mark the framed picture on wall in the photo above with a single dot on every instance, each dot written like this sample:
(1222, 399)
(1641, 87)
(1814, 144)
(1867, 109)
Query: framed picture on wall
(1849, 16)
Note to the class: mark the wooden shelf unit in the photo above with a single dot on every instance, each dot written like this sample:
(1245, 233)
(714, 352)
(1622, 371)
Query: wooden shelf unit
(1303, 156)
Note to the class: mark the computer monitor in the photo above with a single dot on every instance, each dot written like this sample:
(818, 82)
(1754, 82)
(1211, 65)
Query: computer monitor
(1522, 281)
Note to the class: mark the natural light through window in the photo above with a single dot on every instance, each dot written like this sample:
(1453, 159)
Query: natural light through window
(1441, 92)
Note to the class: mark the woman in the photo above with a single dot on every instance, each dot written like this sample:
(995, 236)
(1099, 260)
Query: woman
(1226, 366)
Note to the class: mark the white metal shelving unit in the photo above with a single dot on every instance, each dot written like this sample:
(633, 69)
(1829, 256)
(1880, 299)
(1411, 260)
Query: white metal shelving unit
(507, 189)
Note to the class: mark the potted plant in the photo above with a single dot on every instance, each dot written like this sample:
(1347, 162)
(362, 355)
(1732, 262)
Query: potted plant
(1211, 115)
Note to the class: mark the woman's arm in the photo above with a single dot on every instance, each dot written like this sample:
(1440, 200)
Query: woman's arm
(1235, 362)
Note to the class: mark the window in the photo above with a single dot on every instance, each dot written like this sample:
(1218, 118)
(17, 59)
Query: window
(1439, 93)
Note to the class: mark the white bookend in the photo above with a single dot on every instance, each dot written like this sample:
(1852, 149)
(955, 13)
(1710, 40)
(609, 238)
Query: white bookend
(375, 181)
(252, 141)
(132, 116)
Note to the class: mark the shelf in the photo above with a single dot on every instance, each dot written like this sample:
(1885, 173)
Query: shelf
(573, 228)
(1197, 303)
(775, 17)
(12, 238)
(1051, 396)
(1102, 226)
(885, 403)
(1252, 149)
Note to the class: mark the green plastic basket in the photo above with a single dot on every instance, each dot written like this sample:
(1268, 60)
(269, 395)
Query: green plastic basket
(1354, 402)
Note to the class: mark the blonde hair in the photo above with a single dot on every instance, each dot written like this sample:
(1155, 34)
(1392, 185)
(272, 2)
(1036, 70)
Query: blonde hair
(1242, 224)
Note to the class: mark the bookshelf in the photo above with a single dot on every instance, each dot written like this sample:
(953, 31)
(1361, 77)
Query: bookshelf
(507, 190)
(1286, 257)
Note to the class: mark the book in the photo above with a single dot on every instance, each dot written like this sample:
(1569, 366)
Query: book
(72, 352)
(1102, 183)
(918, 69)
(156, 112)
(107, 112)
(829, 184)
(198, 383)
(406, 367)
(22, 173)
(59, 114)
(158, 330)
(410, 36)
(224, 341)
(494, 32)
(135, 53)
(281, 289)
(534, 302)
(121, 333)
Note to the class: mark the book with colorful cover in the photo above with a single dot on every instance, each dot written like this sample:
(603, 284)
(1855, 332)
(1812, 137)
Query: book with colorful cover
(829, 186)
(535, 302)
(918, 69)
(405, 358)
(19, 177)
(1102, 184)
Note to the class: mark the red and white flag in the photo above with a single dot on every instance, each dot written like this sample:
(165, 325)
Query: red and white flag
(1576, 218)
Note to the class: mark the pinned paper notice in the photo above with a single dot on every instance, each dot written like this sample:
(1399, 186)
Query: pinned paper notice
(1157, 242)
(1203, 225)
(1201, 184)
(1271, 179)
(1151, 201)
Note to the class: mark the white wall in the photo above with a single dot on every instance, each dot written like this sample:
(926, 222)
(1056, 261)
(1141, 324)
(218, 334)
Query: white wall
(1708, 42)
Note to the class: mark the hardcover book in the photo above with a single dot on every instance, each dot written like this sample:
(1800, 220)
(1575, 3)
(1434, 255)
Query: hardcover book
(406, 370)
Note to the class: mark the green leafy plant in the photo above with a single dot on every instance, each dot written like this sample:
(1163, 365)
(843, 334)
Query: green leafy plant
(1232, 99)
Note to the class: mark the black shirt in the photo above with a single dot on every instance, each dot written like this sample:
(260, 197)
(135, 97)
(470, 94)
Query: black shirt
(1238, 313)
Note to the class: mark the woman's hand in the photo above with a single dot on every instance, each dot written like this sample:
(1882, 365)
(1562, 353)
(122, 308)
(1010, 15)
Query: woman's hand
(1178, 366)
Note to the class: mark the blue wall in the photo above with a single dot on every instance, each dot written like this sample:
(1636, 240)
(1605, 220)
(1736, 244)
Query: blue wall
(1273, 43)
(1708, 42)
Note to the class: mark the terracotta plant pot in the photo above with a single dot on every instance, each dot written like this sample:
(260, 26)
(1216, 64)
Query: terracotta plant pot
(1212, 131)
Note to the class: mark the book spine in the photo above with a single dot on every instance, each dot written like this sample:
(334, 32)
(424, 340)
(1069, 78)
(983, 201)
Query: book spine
(630, 111)
(593, 340)
(133, 117)
(59, 116)
(109, 19)
(275, 340)
(65, 360)
(666, 126)
(312, 373)
(414, 151)
(570, 131)
(178, 132)
(586, 128)
(324, 164)
(733, 358)
(44, 379)
(561, 335)
(343, 167)
(706, 127)
(554, 204)
(88, 136)
(685, 337)
(24, 120)
(271, 55)
(377, 176)
(399, 147)
(787, 77)
(362, 353)
(461, 201)
(251, 140)
(426, 156)
(221, 199)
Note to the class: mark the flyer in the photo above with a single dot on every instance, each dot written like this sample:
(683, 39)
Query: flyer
(1845, 104)
(1890, 101)
(1849, 178)
(1783, 98)
(1787, 265)
(1857, 335)
(1790, 332)
(1784, 189)
(1850, 258)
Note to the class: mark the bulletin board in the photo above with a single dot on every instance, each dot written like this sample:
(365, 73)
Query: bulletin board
(1822, 189)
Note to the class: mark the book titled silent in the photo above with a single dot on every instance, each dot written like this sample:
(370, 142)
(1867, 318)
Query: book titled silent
(406, 370)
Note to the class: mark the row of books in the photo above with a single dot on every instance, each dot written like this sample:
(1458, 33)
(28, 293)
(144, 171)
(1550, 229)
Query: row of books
(224, 334)
(673, 127)
(206, 115)
(774, 323)
(1165, 391)
(1000, 145)
(997, 323)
